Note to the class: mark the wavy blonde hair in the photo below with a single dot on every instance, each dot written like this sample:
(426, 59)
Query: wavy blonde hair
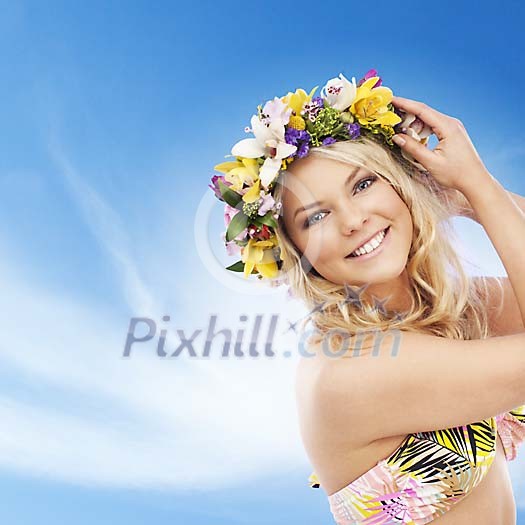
(447, 302)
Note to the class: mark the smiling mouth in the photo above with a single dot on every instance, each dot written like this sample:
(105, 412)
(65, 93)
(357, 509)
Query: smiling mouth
(352, 256)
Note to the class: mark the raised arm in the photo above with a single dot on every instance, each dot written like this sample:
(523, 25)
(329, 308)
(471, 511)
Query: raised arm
(504, 223)
(462, 207)
(433, 382)
(455, 164)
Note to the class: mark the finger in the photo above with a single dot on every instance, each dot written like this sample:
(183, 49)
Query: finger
(436, 120)
(423, 155)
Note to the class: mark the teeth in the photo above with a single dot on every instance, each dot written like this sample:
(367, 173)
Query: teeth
(370, 245)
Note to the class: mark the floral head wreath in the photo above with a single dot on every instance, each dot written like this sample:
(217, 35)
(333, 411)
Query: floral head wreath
(285, 129)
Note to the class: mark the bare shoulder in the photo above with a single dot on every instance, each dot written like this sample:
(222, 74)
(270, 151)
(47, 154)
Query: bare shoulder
(307, 376)
(316, 406)
(337, 455)
(412, 382)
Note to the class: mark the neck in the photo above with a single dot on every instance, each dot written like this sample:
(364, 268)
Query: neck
(397, 293)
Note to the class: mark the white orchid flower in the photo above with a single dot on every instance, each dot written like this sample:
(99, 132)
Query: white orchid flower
(418, 130)
(415, 127)
(277, 111)
(269, 142)
(339, 92)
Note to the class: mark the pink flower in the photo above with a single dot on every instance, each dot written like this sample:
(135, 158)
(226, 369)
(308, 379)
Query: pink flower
(215, 185)
(232, 248)
(266, 204)
(277, 111)
(229, 213)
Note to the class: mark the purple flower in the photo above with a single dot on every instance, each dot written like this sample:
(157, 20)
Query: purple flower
(293, 136)
(369, 74)
(215, 181)
(354, 130)
(328, 140)
(299, 138)
(302, 150)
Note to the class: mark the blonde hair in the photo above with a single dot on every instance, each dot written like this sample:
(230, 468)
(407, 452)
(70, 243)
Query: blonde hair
(447, 302)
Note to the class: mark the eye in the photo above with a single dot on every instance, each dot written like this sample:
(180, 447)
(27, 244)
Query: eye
(370, 179)
(310, 221)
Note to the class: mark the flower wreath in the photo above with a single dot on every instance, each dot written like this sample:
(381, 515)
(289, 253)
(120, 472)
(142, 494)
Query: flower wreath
(285, 129)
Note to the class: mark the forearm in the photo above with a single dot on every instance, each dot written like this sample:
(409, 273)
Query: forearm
(518, 199)
(502, 215)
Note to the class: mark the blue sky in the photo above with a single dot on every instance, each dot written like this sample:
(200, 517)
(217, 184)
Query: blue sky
(113, 116)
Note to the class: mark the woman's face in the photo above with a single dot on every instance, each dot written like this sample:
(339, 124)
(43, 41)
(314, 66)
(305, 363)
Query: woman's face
(331, 208)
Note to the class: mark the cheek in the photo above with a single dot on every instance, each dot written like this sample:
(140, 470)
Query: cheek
(396, 207)
(321, 244)
(405, 223)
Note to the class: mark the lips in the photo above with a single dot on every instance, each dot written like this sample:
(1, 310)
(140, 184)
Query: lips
(385, 231)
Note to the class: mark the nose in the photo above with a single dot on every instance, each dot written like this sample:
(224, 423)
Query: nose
(353, 218)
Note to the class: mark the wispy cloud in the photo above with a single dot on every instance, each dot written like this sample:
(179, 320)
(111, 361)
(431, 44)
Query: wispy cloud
(143, 422)
(106, 226)
(102, 419)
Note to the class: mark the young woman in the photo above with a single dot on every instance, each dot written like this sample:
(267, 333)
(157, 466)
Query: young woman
(367, 416)
(411, 388)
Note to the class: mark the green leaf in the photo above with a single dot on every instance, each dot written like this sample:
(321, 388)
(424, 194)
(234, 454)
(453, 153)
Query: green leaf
(268, 220)
(309, 126)
(236, 267)
(230, 196)
(237, 224)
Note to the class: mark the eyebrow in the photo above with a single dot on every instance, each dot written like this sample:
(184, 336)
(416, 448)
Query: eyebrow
(350, 178)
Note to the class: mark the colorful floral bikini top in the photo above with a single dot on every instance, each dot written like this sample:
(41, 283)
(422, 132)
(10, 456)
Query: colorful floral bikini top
(427, 474)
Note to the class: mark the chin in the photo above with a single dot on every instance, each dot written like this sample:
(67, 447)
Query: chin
(381, 274)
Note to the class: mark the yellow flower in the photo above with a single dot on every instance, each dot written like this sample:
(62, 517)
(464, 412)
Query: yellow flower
(239, 172)
(297, 100)
(370, 105)
(259, 255)
(286, 162)
(252, 194)
(297, 122)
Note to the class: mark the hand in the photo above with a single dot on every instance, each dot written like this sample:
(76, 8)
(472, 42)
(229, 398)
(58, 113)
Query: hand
(454, 162)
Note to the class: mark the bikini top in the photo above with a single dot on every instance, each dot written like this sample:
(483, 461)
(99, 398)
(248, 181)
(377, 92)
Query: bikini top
(427, 474)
